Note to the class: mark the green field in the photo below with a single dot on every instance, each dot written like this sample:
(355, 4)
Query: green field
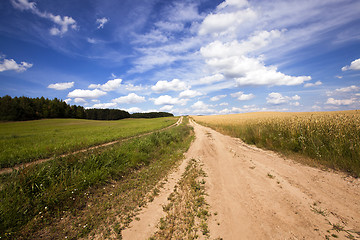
(329, 138)
(34, 199)
(22, 142)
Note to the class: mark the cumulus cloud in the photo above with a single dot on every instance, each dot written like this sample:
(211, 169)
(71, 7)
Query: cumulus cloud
(211, 79)
(80, 100)
(104, 105)
(231, 60)
(174, 85)
(133, 110)
(80, 93)
(338, 102)
(10, 64)
(217, 98)
(132, 87)
(318, 83)
(202, 108)
(351, 88)
(189, 94)
(277, 98)
(61, 86)
(168, 100)
(68, 100)
(354, 65)
(233, 3)
(110, 85)
(131, 98)
(225, 23)
(63, 22)
(101, 22)
(166, 108)
(242, 97)
(235, 48)
(231, 110)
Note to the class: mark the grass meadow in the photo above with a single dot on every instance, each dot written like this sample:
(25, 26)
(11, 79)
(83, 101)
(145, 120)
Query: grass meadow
(34, 198)
(27, 141)
(330, 138)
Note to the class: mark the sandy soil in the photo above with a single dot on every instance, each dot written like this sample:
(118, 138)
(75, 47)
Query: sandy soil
(256, 194)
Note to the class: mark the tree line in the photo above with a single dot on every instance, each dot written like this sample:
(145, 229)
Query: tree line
(24, 108)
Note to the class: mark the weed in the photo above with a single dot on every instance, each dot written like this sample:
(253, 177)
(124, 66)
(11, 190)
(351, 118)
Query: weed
(66, 186)
(187, 211)
(270, 176)
(318, 210)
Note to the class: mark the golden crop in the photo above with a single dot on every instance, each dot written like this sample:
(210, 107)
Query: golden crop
(333, 138)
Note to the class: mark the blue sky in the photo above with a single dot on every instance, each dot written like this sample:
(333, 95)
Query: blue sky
(184, 57)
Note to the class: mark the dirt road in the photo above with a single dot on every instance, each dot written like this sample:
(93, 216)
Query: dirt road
(255, 194)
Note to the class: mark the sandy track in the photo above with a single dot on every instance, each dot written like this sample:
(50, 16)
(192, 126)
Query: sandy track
(255, 194)
(24, 165)
(258, 195)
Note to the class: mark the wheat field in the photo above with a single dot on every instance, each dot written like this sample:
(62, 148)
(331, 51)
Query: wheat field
(330, 138)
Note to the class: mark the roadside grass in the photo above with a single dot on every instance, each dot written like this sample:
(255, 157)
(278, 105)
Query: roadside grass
(330, 138)
(187, 211)
(72, 196)
(22, 142)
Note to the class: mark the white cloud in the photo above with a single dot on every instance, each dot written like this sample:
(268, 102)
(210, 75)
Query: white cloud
(131, 98)
(217, 98)
(132, 87)
(231, 110)
(133, 110)
(211, 79)
(278, 98)
(166, 108)
(174, 85)
(202, 108)
(104, 105)
(296, 97)
(351, 88)
(223, 104)
(168, 100)
(235, 48)
(189, 94)
(225, 23)
(92, 40)
(182, 12)
(61, 86)
(154, 36)
(231, 60)
(101, 22)
(80, 100)
(68, 100)
(23, 4)
(110, 85)
(233, 3)
(343, 102)
(169, 26)
(242, 97)
(354, 65)
(80, 93)
(10, 64)
(318, 83)
(63, 22)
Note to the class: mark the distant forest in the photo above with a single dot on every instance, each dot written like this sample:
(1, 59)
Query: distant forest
(24, 108)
